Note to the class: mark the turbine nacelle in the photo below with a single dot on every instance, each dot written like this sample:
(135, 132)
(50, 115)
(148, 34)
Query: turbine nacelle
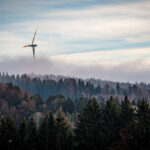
(34, 45)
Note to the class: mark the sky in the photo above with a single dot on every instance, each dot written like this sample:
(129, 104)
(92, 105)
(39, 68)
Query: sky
(83, 38)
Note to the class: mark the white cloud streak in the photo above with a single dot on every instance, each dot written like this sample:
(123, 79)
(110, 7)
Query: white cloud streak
(128, 22)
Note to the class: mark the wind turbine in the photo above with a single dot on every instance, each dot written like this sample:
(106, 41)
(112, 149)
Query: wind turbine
(33, 45)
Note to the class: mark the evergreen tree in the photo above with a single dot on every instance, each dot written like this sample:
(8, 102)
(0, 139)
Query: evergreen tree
(69, 106)
(110, 118)
(80, 103)
(22, 134)
(126, 114)
(88, 135)
(38, 101)
(43, 134)
(126, 139)
(10, 132)
(51, 131)
(3, 131)
(63, 132)
(32, 134)
(141, 128)
(102, 103)
(118, 88)
(7, 133)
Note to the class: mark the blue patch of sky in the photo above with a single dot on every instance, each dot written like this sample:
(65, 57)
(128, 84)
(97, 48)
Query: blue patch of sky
(9, 15)
(102, 45)
(81, 4)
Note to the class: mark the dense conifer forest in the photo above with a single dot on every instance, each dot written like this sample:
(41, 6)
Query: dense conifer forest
(59, 122)
(112, 126)
(75, 88)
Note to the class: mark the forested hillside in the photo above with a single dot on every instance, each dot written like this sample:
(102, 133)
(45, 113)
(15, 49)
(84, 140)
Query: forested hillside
(18, 103)
(15, 101)
(111, 126)
(75, 88)
(59, 123)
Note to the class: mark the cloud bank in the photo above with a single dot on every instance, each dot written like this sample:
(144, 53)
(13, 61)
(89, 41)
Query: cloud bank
(86, 65)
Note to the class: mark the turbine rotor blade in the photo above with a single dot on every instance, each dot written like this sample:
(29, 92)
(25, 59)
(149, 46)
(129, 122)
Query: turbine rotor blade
(27, 46)
(34, 36)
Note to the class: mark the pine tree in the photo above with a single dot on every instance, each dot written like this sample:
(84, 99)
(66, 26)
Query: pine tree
(51, 131)
(43, 134)
(38, 101)
(126, 114)
(10, 131)
(110, 118)
(22, 134)
(69, 106)
(118, 88)
(63, 132)
(32, 134)
(141, 128)
(125, 126)
(88, 135)
(3, 130)
(7, 133)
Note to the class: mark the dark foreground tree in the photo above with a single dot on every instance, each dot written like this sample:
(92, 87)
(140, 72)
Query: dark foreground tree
(32, 134)
(51, 131)
(42, 137)
(7, 133)
(136, 134)
(126, 113)
(88, 135)
(63, 132)
(22, 135)
(3, 138)
(111, 123)
(47, 133)
(141, 128)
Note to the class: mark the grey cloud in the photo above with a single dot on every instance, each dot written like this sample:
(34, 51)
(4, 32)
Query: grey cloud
(132, 72)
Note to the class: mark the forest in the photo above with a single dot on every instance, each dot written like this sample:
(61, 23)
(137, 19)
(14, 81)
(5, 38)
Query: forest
(113, 126)
(75, 88)
(59, 122)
